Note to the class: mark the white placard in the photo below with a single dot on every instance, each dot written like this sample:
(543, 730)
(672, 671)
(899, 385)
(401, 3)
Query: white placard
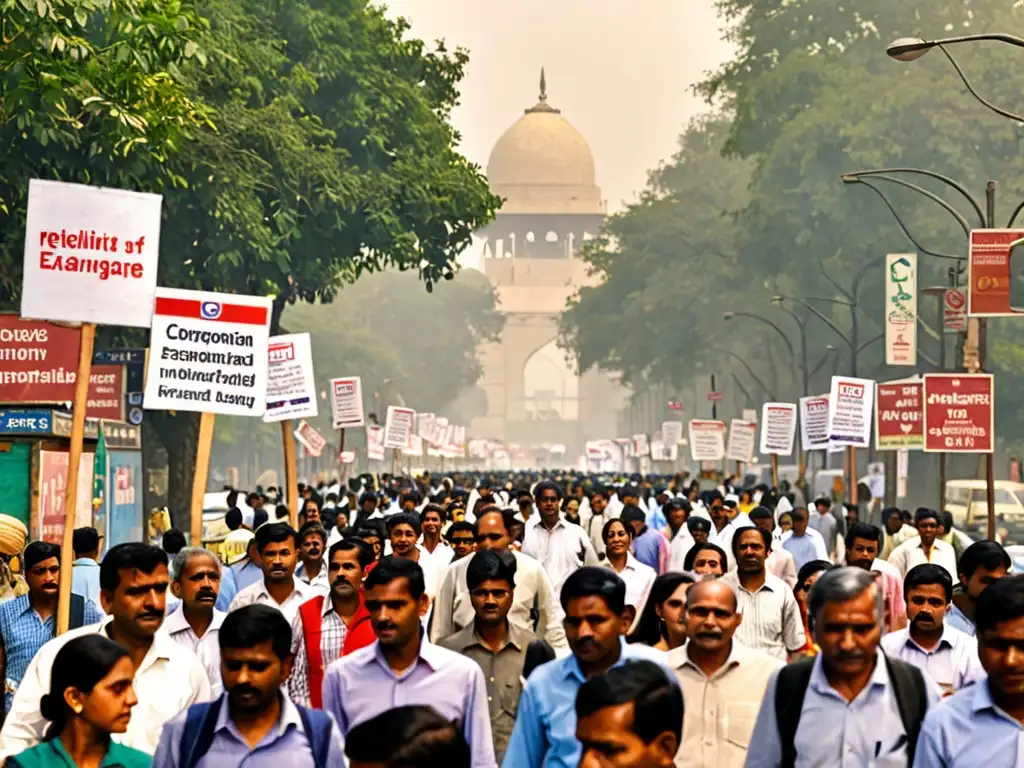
(311, 440)
(850, 406)
(398, 427)
(291, 388)
(375, 442)
(750, 414)
(740, 446)
(814, 423)
(707, 440)
(671, 432)
(439, 432)
(778, 428)
(641, 447)
(208, 353)
(347, 402)
(415, 447)
(91, 254)
(425, 425)
(901, 309)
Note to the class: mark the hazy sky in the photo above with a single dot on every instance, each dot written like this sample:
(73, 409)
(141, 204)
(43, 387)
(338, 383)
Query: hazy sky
(620, 71)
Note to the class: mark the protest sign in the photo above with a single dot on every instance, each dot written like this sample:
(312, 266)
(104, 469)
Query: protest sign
(291, 388)
(814, 423)
(375, 442)
(347, 402)
(899, 415)
(778, 428)
(425, 425)
(398, 427)
(707, 440)
(740, 446)
(850, 406)
(959, 412)
(671, 432)
(310, 438)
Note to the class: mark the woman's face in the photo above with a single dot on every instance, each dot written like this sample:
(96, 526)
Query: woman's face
(673, 609)
(108, 707)
(573, 507)
(708, 563)
(785, 522)
(617, 540)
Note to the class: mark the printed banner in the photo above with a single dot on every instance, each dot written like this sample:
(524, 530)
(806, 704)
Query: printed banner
(310, 439)
(641, 447)
(425, 425)
(740, 446)
(398, 428)
(707, 440)
(53, 483)
(959, 412)
(778, 428)
(375, 442)
(814, 423)
(291, 388)
(672, 432)
(347, 403)
(901, 309)
(849, 411)
(899, 416)
(990, 288)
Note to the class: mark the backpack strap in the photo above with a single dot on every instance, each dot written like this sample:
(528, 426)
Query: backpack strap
(911, 698)
(197, 736)
(77, 616)
(790, 688)
(317, 725)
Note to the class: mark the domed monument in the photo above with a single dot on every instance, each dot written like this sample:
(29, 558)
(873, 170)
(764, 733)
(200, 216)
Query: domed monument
(544, 169)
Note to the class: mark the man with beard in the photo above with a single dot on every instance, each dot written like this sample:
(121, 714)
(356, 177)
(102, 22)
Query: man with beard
(254, 724)
(168, 678)
(312, 544)
(29, 621)
(328, 628)
(720, 677)
(279, 554)
(949, 656)
(401, 666)
(195, 581)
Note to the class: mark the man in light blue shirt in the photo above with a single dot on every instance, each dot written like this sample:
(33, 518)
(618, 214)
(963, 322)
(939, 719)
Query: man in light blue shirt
(594, 601)
(85, 571)
(803, 543)
(982, 725)
(981, 564)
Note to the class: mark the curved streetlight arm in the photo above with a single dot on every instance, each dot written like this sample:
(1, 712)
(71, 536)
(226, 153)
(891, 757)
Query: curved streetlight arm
(961, 220)
(743, 362)
(824, 359)
(766, 321)
(869, 342)
(1016, 213)
(821, 266)
(885, 172)
(796, 318)
(821, 316)
(981, 99)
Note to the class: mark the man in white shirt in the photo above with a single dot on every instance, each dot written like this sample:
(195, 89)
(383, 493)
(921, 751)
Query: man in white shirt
(279, 554)
(195, 581)
(681, 541)
(560, 547)
(312, 568)
(926, 548)
(168, 678)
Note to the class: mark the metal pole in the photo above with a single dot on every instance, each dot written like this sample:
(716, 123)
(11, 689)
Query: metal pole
(990, 485)
(941, 325)
(714, 403)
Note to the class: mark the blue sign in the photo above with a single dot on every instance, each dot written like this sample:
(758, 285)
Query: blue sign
(20, 421)
(123, 521)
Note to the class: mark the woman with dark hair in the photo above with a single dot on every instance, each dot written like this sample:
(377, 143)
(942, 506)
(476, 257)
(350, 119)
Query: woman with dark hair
(661, 625)
(407, 737)
(91, 696)
(707, 561)
(805, 579)
(618, 540)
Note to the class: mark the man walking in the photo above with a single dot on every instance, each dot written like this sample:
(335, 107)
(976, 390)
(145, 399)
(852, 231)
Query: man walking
(195, 581)
(277, 545)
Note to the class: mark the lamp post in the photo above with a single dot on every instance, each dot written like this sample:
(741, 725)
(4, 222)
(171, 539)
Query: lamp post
(789, 345)
(744, 363)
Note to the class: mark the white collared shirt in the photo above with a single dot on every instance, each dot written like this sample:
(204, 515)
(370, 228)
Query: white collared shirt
(911, 553)
(207, 647)
(257, 594)
(321, 580)
(679, 548)
(561, 550)
(638, 578)
(168, 681)
(953, 663)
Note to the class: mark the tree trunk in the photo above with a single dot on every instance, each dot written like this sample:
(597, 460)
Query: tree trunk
(180, 435)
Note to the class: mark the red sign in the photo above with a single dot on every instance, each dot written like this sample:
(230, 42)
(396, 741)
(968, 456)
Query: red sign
(988, 272)
(899, 416)
(106, 393)
(675, 405)
(38, 361)
(954, 309)
(715, 397)
(53, 482)
(959, 412)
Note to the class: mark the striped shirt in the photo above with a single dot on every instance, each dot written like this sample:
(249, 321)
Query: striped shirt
(771, 618)
(332, 640)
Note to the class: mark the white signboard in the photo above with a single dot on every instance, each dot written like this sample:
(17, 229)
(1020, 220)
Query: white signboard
(707, 440)
(415, 447)
(291, 388)
(901, 309)
(671, 432)
(740, 446)
(439, 432)
(640, 446)
(375, 442)
(778, 428)
(91, 254)
(399, 427)
(311, 440)
(750, 414)
(814, 423)
(425, 425)
(208, 353)
(347, 403)
(849, 411)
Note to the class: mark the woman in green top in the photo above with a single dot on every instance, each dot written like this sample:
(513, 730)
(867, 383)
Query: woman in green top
(91, 696)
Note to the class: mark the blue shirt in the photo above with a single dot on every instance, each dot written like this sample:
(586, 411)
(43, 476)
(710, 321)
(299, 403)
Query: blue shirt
(228, 589)
(544, 735)
(969, 731)
(246, 574)
(834, 732)
(285, 746)
(24, 633)
(85, 579)
(656, 517)
(647, 548)
(957, 619)
(802, 548)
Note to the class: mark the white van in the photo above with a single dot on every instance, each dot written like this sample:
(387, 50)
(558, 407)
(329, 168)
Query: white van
(966, 500)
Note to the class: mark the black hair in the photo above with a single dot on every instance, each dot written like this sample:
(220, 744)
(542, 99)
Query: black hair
(632, 513)
(259, 518)
(629, 490)
(608, 526)
(173, 541)
(353, 544)
(593, 581)
(798, 514)
(547, 485)
(408, 737)
(986, 554)
(84, 541)
(132, 555)
(281, 512)
(312, 527)
(695, 524)
(761, 513)
(648, 628)
(765, 537)
(367, 530)
(488, 564)
(433, 508)
(460, 527)
(678, 503)
(946, 520)
(233, 519)
(38, 551)
(923, 513)
(274, 533)
(524, 493)
(809, 569)
(657, 700)
(1002, 600)
(866, 531)
(404, 518)
(254, 624)
(390, 568)
(691, 556)
(823, 500)
(926, 573)
(232, 499)
(81, 663)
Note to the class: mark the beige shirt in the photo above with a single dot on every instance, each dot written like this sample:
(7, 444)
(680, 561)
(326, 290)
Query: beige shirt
(911, 553)
(257, 594)
(720, 710)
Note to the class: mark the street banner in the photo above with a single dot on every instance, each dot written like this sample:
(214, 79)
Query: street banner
(954, 310)
(849, 411)
(778, 428)
(814, 423)
(291, 388)
(52, 489)
(899, 416)
(671, 432)
(641, 447)
(707, 440)
(347, 403)
(425, 425)
(901, 309)
(310, 439)
(375, 442)
(398, 428)
(38, 361)
(959, 412)
(208, 353)
(988, 274)
(740, 446)
(91, 254)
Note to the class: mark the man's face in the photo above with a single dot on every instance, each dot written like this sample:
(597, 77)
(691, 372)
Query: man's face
(711, 617)
(750, 551)
(862, 553)
(708, 563)
(608, 741)
(463, 544)
(848, 633)
(375, 544)
(279, 559)
(312, 548)
(592, 630)
(980, 579)
(765, 524)
(341, 520)
(43, 579)
(717, 511)
(198, 584)
(699, 537)
(256, 502)
(822, 508)
(345, 574)
(368, 506)
(799, 525)
(547, 504)
(139, 601)
(928, 527)
(408, 504)
(1001, 652)
(431, 524)
(491, 533)
(926, 607)
(630, 498)
(395, 613)
(676, 518)
(403, 539)
(253, 676)
(492, 600)
(597, 504)
(312, 513)
(894, 523)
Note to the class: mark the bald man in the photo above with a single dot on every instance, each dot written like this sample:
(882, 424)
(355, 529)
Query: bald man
(725, 677)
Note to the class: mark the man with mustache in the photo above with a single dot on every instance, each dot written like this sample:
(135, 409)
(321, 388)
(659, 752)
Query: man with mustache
(723, 679)
(279, 554)
(327, 628)
(254, 724)
(195, 581)
(949, 656)
(312, 544)
(168, 678)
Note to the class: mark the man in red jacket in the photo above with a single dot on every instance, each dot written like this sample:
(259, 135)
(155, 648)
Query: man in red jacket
(327, 628)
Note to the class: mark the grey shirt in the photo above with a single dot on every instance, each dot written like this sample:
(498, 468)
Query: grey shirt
(825, 525)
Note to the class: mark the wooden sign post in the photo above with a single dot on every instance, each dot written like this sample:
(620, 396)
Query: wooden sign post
(200, 478)
(291, 480)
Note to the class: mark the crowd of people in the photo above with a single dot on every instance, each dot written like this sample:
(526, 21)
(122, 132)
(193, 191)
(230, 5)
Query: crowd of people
(524, 621)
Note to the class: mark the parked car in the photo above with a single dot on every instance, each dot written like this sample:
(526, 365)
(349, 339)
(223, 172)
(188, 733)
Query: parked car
(967, 501)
